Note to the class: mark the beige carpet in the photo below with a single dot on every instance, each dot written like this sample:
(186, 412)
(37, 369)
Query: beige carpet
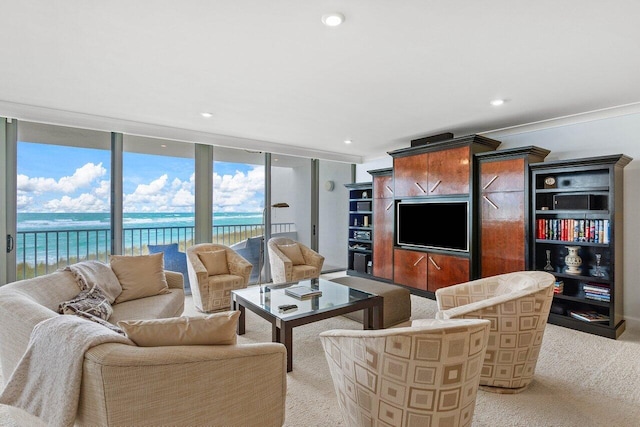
(581, 380)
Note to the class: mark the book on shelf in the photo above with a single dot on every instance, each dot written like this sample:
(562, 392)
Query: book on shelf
(595, 289)
(598, 297)
(558, 287)
(573, 230)
(302, 292)
(588, 316)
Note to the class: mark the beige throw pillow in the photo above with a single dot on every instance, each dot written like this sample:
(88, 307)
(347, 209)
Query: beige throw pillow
(214, 329)
(292, 252)
(215, 262)
(140, 276)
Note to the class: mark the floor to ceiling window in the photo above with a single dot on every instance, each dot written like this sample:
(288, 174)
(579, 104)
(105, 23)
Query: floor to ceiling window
(63, 189)
(65, 213)
(238, 203)
(158, 194)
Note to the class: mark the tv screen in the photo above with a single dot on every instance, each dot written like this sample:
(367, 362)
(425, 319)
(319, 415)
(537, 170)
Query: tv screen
(433, 224)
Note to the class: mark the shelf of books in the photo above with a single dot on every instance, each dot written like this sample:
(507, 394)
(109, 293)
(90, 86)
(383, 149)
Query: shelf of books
(577, 225)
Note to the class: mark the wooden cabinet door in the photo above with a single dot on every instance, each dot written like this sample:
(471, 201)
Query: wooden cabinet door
(410, 268)
(410, 175)
(502, 233)
(505, 175)
(446, 270)
(449, 172)
(383, 214)
(382, 187)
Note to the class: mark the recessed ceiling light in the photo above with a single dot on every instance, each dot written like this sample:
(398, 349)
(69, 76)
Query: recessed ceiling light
(206, 115)
(497, 102)
(332, 19)
(348, 141)
(163, 145)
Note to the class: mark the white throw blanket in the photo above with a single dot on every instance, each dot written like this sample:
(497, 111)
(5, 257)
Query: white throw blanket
(46, 382)
(94, 273)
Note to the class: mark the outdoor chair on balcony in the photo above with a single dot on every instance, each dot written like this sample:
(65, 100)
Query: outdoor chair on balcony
(214, 271)
(518, 306)
(174, 260)
(291, 261)
(252, 252)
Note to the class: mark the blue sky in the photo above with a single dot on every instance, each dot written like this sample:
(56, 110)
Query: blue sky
(53, 178)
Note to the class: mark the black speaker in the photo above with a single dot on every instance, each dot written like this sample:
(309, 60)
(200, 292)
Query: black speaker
(360, 262)
(573, 201)
(363, 206)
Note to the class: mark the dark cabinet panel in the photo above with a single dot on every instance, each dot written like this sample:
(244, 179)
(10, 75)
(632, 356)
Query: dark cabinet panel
(410, 175)
(446, 270)
(503, 228)
(449, 172)
(410, 268)
(505, 175)
(383, 237)
(383, 187)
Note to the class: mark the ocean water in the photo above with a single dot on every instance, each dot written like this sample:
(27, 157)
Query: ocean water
(49, 237)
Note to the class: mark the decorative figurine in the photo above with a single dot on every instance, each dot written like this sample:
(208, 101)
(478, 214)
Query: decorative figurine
(548, 267)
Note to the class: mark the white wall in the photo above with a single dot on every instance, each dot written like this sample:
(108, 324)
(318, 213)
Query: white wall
(334, 214)
(618, 135)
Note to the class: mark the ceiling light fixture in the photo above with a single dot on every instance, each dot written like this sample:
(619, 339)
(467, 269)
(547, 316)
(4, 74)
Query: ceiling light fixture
(348, 141)
(206, 115)
(332, 19)
(497, 102)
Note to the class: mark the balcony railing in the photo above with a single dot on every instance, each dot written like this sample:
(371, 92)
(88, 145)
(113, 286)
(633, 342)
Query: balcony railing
(42, 252)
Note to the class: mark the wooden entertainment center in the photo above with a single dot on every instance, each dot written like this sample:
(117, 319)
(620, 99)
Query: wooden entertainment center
(504, 192)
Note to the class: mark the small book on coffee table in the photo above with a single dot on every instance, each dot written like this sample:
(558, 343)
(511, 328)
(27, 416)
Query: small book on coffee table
(302, 292)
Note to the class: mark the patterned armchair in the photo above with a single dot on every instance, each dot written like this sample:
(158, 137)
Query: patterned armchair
(214, 271)
(517, 304)
(291, 261)
(423, 375)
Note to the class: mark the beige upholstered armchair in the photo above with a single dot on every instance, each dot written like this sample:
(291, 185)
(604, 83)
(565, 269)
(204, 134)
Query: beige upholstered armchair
(291, 261)
(214, 271)
(517, 304)
(423, 375)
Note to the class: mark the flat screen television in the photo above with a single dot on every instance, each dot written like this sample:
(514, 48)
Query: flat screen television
(433, 225)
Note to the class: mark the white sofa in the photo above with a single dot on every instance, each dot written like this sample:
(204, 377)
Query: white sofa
(130, 385)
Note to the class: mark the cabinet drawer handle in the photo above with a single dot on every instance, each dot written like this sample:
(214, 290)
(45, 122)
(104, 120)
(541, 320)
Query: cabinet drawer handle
(434, 263)
(490, 202)
(420, 187)
(418, 261)
(389, 188)
(435, 186)
(490, 182)
(389, 206)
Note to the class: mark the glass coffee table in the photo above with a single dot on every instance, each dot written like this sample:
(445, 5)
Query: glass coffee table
(336, 299)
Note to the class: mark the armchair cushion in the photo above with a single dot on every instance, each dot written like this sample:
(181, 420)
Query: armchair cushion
(293, 252)
(215, 262)
(214, 329)
(140, 276)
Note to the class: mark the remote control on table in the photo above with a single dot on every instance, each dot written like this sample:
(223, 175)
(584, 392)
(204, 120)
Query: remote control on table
(287, 307)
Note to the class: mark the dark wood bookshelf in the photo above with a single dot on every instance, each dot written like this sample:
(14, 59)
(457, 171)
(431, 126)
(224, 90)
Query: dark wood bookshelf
(592, 188)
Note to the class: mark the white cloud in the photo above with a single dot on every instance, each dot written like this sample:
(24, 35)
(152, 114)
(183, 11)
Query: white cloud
(83, 203)
(183, 198)
(233, 193)
(23, 201)
(81, 178)
(104, 190)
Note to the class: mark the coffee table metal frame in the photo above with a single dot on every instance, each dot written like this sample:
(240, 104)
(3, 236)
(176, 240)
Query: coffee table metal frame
(282, 324)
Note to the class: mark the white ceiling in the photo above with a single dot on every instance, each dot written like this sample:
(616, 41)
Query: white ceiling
(275, 78)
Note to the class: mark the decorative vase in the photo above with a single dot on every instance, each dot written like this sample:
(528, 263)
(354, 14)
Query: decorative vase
(573, 260)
